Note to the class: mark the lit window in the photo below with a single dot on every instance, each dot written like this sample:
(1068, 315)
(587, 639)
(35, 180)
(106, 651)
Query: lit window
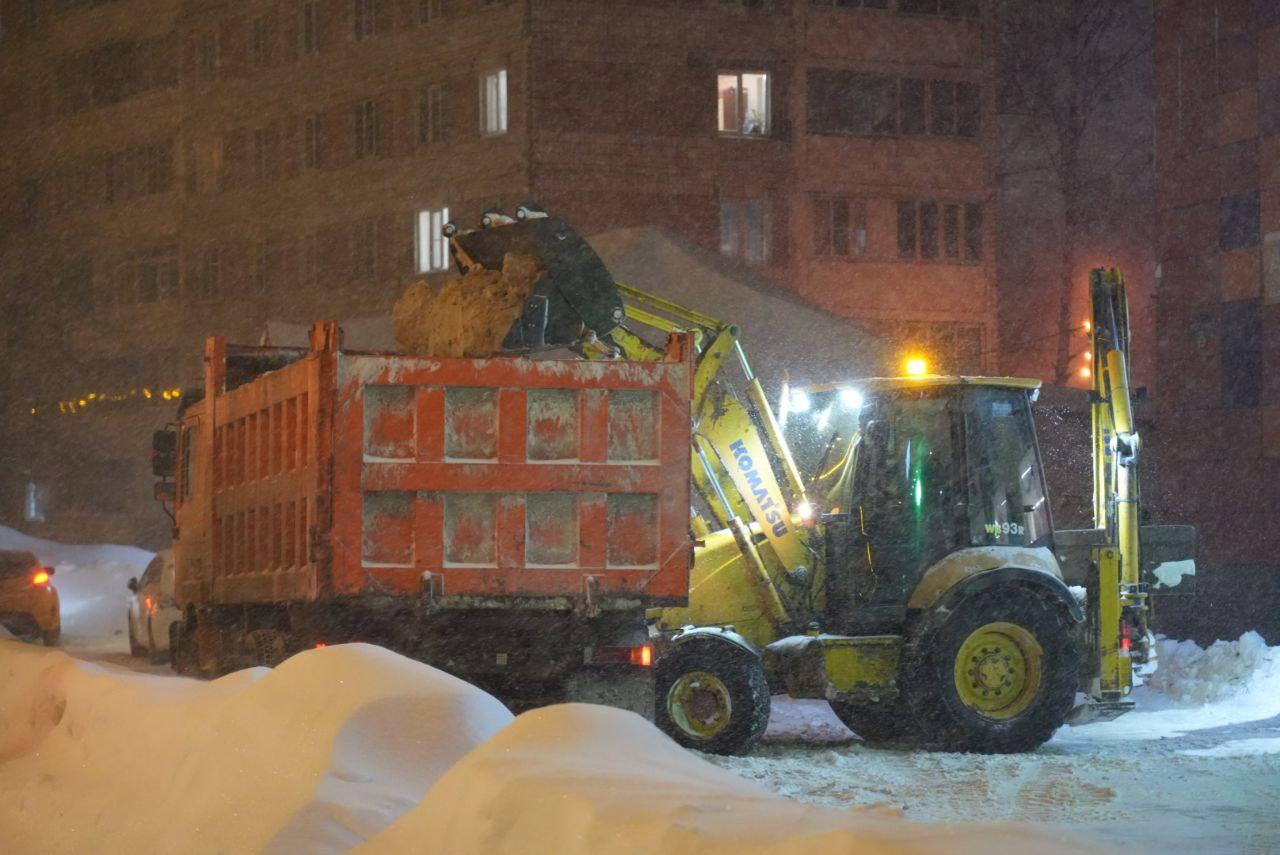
(493, 103)
(432, 246)
(743, 103)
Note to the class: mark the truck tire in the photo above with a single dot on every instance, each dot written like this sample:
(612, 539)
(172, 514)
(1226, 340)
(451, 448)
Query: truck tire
(135, 649)
(711, 696)
(885, 723)
(998, 676)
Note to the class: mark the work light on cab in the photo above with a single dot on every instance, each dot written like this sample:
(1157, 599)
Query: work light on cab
(41, 576)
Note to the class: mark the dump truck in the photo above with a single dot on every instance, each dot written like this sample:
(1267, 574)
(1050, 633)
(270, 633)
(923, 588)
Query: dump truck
(508, 520)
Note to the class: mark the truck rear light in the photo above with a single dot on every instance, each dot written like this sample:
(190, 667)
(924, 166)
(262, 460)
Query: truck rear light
(1126, 637)
(641, 655)
(40, 577)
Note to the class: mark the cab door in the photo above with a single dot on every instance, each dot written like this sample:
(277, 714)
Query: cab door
(906, 506)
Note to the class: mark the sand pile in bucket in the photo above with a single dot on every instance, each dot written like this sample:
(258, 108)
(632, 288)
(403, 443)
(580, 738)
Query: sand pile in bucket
(468, 316)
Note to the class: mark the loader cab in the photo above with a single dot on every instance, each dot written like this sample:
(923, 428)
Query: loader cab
(906, 472)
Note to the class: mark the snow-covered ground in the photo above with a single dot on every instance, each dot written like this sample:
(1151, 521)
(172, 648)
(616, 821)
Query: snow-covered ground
(353, 746)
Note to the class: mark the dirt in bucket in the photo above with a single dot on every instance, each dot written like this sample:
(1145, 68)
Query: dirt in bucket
(469, 316)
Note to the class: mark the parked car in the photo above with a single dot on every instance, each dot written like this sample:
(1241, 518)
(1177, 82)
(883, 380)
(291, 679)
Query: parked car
(29, 606)
(151, 609)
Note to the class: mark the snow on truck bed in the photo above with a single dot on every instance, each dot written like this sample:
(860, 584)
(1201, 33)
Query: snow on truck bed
(353, 745)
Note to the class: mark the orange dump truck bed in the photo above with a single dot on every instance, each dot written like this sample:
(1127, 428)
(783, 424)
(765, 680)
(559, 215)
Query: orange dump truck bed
(325, 495)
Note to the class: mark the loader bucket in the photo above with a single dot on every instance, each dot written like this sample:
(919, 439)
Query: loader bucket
(573, 299)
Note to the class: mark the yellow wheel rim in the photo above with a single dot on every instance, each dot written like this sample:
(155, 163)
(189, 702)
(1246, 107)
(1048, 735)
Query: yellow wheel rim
(699, 704)
(999, 670)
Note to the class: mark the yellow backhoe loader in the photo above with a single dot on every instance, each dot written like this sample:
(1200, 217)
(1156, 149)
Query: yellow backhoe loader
(904, 565)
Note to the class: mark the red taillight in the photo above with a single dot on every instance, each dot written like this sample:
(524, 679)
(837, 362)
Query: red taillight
(1126, 644)
(642, 656)
(320, 644)
(40, 577)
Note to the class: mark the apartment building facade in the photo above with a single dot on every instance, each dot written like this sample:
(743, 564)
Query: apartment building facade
(1217, 416)
(179, 168)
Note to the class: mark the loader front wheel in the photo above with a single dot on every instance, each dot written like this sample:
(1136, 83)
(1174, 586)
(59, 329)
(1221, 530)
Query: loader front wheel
(999, 676)
(711, 696)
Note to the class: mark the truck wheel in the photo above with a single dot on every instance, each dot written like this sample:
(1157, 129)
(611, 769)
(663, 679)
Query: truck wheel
(884, 723)
(711, 696)
(999, 676)
(135, 649)
(267, 647)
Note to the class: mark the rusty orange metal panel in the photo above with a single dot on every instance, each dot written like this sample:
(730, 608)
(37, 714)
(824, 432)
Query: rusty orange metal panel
(517, 478)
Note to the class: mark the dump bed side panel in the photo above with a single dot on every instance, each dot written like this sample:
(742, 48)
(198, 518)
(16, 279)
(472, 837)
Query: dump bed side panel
(474, 480)
(269, 481)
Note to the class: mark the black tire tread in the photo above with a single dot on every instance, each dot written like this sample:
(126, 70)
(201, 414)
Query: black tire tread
(742, 674)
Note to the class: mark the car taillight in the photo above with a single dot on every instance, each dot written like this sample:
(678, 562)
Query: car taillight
(40, 577)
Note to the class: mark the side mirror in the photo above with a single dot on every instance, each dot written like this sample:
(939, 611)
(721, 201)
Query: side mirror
(164, 453)
(133, 584)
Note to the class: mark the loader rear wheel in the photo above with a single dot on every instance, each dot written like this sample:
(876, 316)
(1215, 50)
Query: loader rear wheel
(999, 676)
(711, 696)
(885, 723)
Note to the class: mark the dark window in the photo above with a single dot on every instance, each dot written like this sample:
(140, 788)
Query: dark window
(745, 230)
(951, 232)
(840, 227)
(207, 275)
(260, 153)
(844, 102)
(1239, 221)
(310, 27)
(928, 230)
(907, 229)
(973, 232)
(259, 42)
(311, 143)
(364, 248)
(207, 56)
(366, 129)
(942, 108)
(968, 109)
(429, 10)
(1241, 353)
(187, 473)
(945, 8)
(911, 109)
(364, 18)
(431, 115)
(261, 268)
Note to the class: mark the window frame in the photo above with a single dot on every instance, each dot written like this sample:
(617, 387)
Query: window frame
(740, 133)
(431, 251)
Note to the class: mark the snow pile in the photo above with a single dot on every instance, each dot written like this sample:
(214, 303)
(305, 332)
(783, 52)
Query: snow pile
(91, 583)
(315, 756)
(1190, 674)
(586, 779)
(804, 720)
(1195, 689)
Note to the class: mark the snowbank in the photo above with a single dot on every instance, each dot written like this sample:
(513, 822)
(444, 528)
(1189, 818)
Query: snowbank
(578, 778)
(91, 583)
(1196, 689)
(353, 744)
(315, 755)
